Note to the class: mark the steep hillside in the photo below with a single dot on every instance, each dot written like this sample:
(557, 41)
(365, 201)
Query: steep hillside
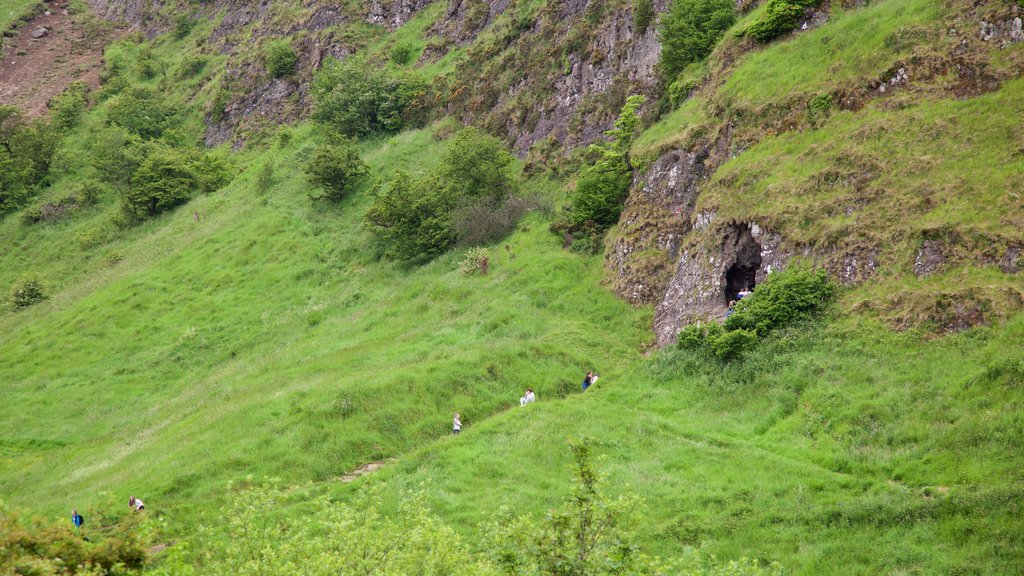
(203, 305)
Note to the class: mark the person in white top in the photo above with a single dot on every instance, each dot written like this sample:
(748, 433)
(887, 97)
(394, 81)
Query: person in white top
(135, 504)
(744, 293)
(528, 397)
(456, 424)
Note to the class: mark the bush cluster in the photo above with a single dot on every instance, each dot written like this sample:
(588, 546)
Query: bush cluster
(335, 169)
(28, 292)
(781, 17)
(603, 186)
(475, 260)
(280, 59)
(427, 216)
(26, 151)
(86, 193)
(30, 545)
(154, 176)
(784, 298)
(357, 97)
(689, 31)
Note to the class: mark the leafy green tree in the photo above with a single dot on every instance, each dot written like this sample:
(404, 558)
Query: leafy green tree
(141, 111)
(116, 154)
(212, 172)
(413, 217)
(26, 151)
(336, 168)
(357, 97)
(281, 59)
(689, 31)
(425, 218)
(69, 106)
(602, 187)
(476, 165)
(780, 17)
(165, 179)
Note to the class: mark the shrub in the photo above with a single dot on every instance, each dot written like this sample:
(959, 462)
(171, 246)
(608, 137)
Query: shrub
(699, 336)
(785, 297)
(781, 17)
(85, 193)
(280, 59)
(477, 165)
(336, 168)
(116, 155)
(28, 292)
(730, 344)
(33, 545)
(140, 111)
(476, 260)
(689, 31)
(603, 186)
(401, 53)
(413, 217)
(26, 151)
(487, 220)
(469, 198)
(357, 97)
(69, 106)
(190, 66)
(212, 172)
(165, 179)
(643, 15)
(183, 25)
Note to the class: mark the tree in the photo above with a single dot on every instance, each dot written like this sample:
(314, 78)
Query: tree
(602, 187)
(116, 154)
(26, 150)
(336, 168)
(357, 97)
(414, 217)
(427, 217)
(689, 31)
(477, 164)
(164, 180)
(140, 111)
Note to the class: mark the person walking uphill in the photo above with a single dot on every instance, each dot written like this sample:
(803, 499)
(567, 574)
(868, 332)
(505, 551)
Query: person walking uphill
(456, 424)
(135, 504)
(77, 519)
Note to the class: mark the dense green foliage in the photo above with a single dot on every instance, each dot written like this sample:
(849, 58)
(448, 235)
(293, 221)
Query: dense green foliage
(141, 111)
(358, 97)
(468, 197)
(780, 17)
(26, 149)
(603, 186)
(32, 545)
(689, 31)
(336, 168)
(281, 59)
(28, 292)
(783, 298)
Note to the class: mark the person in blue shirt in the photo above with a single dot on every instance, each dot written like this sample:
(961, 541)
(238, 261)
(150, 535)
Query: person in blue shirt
(77, 519)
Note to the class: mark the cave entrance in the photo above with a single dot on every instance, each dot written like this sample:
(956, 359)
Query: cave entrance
(743, 272)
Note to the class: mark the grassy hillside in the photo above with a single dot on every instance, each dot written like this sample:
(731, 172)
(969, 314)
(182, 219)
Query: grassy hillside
(256, 333)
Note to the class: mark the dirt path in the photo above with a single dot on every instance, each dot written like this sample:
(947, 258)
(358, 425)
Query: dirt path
(39, 65)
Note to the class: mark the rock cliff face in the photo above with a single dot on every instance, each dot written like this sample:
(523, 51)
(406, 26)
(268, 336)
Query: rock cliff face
(561, 76)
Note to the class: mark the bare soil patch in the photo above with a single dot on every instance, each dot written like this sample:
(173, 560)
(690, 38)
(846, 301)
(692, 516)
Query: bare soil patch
(47, 54)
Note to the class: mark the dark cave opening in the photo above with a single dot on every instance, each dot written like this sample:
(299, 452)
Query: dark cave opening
(743, 272)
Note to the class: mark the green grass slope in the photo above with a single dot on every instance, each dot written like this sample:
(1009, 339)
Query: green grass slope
(832, 449)
(265, 339)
